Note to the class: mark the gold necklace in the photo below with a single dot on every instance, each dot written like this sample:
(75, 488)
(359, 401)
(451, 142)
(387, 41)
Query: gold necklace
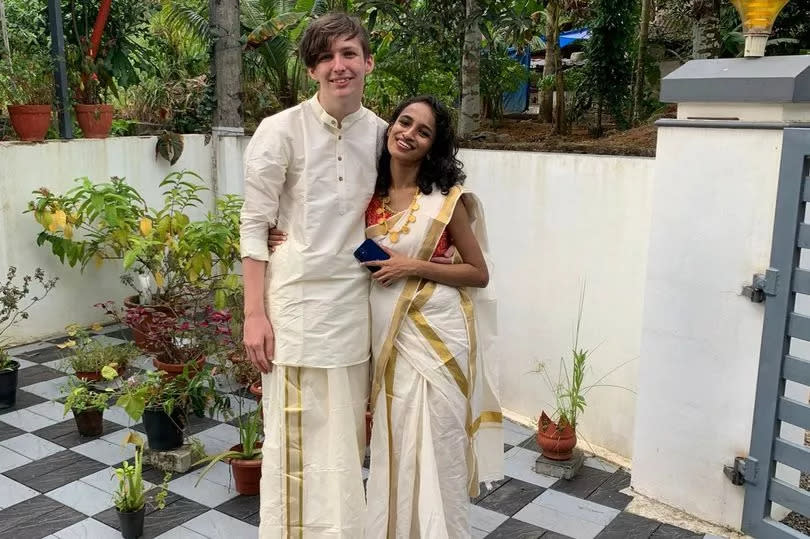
(393, 235)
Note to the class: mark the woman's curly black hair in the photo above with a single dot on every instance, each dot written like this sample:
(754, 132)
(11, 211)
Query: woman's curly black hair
(440, 167)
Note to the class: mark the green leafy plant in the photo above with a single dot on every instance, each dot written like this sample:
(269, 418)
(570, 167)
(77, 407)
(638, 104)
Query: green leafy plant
(15, 301)
(173, 255)
(191, 391)
(250, 430)
(82, 396)
(570, 388)
(27, 80)
(130, 495)
(89, 355)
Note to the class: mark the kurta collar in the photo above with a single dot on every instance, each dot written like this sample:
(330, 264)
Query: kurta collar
(328, 120)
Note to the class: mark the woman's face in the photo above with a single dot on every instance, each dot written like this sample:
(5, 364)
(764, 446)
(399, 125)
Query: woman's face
(411, 135)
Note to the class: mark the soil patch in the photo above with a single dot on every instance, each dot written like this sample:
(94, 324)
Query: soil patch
(530, 135)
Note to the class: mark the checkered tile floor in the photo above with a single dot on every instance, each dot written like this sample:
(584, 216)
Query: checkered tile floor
(55, 483)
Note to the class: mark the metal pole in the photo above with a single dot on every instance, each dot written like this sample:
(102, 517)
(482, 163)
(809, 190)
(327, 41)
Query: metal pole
(60, 68)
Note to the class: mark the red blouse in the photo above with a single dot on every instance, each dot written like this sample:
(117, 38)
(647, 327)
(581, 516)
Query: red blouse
(372, 217)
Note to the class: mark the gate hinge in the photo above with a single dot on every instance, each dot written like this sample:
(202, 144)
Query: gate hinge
(744, 470)
(762, 285)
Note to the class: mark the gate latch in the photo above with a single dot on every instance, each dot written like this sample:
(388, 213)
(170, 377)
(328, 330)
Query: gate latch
(761, 285)
(744, 470)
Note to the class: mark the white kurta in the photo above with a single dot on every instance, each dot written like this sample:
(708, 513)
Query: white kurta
(314, 180)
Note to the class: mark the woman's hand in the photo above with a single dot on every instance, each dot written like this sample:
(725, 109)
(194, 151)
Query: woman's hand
(397, 267)
(275, 238)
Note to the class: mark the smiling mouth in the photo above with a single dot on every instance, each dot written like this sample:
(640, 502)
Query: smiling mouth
(342, 80)
(404, 145)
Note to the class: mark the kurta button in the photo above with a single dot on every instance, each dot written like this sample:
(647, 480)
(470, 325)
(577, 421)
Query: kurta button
(340, 179)
(340, 137)
(340, 158)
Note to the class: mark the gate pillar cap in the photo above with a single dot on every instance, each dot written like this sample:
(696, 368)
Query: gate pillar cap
(772, 79)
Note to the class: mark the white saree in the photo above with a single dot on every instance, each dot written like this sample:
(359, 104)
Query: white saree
(437, 420)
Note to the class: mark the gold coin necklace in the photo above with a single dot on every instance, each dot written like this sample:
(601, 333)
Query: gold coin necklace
(393, 235)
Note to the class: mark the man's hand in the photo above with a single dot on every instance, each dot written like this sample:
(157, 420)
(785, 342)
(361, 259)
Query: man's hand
(259, 341)
(446, 258)
(275, 238)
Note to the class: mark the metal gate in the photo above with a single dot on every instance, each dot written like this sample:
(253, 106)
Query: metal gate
(783, 281)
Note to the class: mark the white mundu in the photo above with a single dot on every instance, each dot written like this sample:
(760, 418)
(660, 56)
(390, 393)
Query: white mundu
(313, 178)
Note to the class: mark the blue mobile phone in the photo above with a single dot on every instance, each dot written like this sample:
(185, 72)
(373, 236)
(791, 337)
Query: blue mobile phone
(368, 251)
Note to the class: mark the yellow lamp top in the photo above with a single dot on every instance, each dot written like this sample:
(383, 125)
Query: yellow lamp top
(757, 17)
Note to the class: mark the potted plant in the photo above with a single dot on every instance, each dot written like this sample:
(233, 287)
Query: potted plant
(88, 356)
(93, 84)
(15, 301)
(244, 457)
(130, 496)
(556, 434)
(88, 403)
(164, 403)
(27, 84)
(169, 260)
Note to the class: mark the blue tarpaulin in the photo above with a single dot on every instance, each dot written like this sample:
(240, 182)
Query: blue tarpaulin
(518, 101)
(566, 38)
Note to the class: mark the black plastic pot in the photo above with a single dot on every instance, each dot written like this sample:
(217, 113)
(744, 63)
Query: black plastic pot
(131, 523)
(89, 422)
(163, 432)
(8, 386)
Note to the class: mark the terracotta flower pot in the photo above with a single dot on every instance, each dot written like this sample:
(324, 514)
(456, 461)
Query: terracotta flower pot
(95, 376)
(247, 473)
(95, 120)
(143, 326)
(173, 369)
(30, 122)
(256, 389)
(556, 441)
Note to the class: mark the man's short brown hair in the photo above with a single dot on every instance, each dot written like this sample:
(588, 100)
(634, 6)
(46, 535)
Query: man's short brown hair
(321, 32)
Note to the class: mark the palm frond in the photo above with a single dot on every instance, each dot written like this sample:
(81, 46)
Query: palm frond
(194, 23)
(273, 28)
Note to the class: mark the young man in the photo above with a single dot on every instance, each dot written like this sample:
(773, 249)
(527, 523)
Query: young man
(310, 171)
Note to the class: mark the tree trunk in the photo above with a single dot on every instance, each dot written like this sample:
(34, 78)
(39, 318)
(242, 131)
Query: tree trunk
(706, 29)
(470, 118)
(638, 77)
(552, 56)
(227, 63)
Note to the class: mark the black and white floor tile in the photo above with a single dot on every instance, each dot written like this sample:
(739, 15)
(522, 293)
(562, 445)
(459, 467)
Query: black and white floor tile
(57, 484)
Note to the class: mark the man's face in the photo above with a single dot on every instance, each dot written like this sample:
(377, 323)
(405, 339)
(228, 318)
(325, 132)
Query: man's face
(341, 70)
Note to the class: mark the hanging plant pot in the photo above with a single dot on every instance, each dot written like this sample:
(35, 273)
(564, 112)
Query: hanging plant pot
(30, 122)
(131, 523)
(173, 369)
(8, 385)
(247, 473)
(89, 422)
(143, 326)
(164, 432)
(557, 441)
(95, 120)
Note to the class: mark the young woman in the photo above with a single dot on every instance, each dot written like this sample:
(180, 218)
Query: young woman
(437, 420)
